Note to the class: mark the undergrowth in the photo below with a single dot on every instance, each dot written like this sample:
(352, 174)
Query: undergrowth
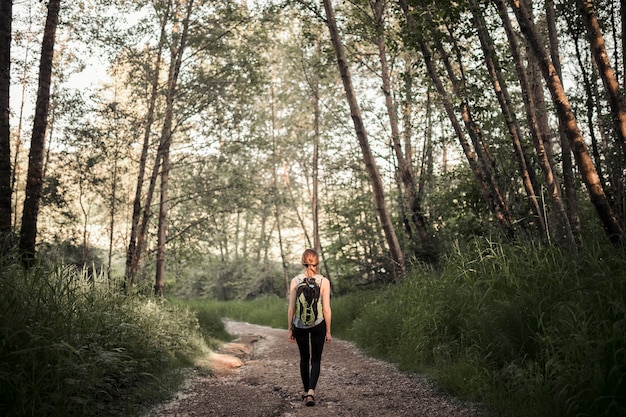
(526, 330)
(71, 346)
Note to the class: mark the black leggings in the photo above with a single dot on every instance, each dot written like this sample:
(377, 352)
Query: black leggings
(312, 353)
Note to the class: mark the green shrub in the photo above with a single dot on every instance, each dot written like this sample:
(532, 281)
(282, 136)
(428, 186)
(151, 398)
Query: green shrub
(528, 330)
(71, 347)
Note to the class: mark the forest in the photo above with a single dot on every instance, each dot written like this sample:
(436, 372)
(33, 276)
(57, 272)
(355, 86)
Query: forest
(460, 165)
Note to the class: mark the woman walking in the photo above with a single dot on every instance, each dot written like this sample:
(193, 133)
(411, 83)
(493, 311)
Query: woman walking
(309, 318)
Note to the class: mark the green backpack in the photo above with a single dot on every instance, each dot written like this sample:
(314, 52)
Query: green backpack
(307, 300)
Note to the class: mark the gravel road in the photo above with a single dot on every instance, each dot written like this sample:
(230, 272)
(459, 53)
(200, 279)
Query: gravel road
(257, 376)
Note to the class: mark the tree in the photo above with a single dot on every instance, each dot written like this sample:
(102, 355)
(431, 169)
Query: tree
(404, 166)
(6, 17)
(28, 231)
(607, 74)
(177, 52)
(135, 248)
(568, 120)
(536, 115)
(478, 165)
(368, 158)
(501, 90)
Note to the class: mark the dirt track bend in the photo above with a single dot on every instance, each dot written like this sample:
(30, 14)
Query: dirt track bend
(257, 376)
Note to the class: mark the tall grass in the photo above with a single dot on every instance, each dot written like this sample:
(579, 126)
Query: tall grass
(69, 346)
(527, 330)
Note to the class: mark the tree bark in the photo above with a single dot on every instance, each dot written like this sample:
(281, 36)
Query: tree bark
(6, 18)
(483, 183)
(164, 148)
(34, 181)
(571, 198)
(317, 245)
(404, 166)
(609, 79)
(504, 99)
(370, 163)
(567, 118)
(133, 253)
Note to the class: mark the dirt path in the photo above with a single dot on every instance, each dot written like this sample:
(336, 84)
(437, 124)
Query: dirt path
(257, 376)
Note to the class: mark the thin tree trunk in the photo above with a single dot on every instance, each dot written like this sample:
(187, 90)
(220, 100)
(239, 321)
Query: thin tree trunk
(6, 17)
(372, 169)
(34, 181)
(294, 203)
(535, 132)
(84, 208)
(276, 195)
(404, 166)
(166, 142)
(496, 209)
(567, 118)
(623, 37)
(20, 119)
(608, 76)
(113, 201)
(316, 146)
(133, 253)
(590, 105)
(571, 198)
(504, 99)
(407, 112)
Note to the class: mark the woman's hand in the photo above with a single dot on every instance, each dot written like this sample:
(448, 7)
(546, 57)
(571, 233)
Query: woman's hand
(329, 338)
(291, 338)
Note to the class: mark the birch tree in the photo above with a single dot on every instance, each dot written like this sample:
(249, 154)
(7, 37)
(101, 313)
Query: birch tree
(568, 120)
(368, 158)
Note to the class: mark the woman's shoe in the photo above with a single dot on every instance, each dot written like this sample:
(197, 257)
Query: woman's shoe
(309, 400)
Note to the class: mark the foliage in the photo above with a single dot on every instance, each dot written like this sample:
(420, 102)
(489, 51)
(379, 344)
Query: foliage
(527, 330)
(72, 347)
(215, 278)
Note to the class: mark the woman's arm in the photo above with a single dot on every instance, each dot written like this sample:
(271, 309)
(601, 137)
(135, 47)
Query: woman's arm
(325, 290)
(291, 309)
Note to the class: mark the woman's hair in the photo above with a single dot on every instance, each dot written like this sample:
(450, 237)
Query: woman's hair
(310, 260)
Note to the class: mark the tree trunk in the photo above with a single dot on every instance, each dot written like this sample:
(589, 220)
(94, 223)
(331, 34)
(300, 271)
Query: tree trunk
(316, 149)
(34, 181)
(609, 79)
(504, 99)
(571, 198)
(485, 190)
(133, 253)
(165, 144)
(276, 194)
(370, 163)
(6, 17)
(565, 234)
(112, 210)
(568, 120)
(623, 37)
(20, 121)
(404, 165)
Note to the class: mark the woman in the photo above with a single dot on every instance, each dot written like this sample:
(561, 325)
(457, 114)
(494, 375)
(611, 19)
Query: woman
(310, 337)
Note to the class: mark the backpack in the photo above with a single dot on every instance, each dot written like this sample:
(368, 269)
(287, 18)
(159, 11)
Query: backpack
(307, 300)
